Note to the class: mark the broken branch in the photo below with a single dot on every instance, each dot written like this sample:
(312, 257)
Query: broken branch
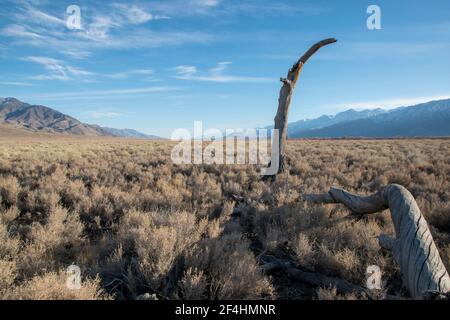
(413, 247)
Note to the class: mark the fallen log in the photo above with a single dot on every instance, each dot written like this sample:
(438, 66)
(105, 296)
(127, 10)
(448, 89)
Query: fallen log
(320, 280)
(312, 278)
(413, 247)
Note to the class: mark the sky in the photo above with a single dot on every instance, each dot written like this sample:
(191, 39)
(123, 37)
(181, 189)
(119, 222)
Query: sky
(156, 66)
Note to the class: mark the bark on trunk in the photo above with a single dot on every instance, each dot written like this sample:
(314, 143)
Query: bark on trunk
(284, 100)
(413, 247)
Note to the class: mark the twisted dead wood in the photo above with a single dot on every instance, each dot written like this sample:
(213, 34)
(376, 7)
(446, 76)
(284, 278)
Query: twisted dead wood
(284, 100)
(413, 248)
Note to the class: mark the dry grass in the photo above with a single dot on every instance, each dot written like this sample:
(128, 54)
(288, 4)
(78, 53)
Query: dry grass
(136, 223)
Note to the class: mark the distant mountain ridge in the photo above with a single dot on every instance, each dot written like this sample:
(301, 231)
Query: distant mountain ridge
(21, 115)
(130, 133)
(422, 120)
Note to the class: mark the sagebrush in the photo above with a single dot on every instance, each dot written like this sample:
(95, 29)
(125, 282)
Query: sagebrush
(136, 223)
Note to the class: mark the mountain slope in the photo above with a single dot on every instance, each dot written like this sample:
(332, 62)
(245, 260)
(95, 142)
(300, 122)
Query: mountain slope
(40, 118)
(426, 119)
(9, 105)
(36, 118)
(130, 133)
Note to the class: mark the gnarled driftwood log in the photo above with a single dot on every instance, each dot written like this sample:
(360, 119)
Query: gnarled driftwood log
(413, 248)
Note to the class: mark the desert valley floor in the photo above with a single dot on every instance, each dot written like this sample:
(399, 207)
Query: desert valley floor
(137, 224)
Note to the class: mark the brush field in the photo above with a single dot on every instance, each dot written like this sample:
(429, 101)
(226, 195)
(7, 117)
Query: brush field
(137, 224)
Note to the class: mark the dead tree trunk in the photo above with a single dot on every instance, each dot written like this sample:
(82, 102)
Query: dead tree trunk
(285, 97)
(413, 247)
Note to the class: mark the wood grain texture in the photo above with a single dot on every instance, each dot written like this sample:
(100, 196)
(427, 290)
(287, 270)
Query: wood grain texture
(413, 247)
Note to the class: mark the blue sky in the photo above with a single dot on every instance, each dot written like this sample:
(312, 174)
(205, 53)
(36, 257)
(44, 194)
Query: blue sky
(156, 66)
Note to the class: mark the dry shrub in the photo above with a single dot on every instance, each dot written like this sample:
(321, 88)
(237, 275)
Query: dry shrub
(52, 286)
(39, 202)
(331, 294)
(61, 228)
(440, 216)
(9, 215)
(214, 228)
(304, 250)
(72, 194)
(124, 211)
(8, 273)
(231, 267)
(157, 253)
(9, 190)
(158, 239)
(193, 285)
(9, 244)
(342, 263)
(53, 243)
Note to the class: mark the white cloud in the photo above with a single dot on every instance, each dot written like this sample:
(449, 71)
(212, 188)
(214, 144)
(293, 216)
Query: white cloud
(209, 3)
(34, 14)
(221, 66)
(127, 74)
(102, 94)
(115, 26)
(248, 7)
(16, 30)
(17, 83)
(77, 54)
(78, 72)
(138, 15)
(98, 36)
(135, 14)
(99, 28)
(185, 72)
(57, 69)
(103, 114)
(214, 75)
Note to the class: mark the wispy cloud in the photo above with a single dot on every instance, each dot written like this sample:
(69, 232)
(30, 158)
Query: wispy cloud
(77, 54)
(136, 15)
(102, 94)
(96, 114)
(15, 30)
(185, 72)
(57, 69)
(209, 3)
(115, 26)
(17, 83)
(29, 12)
(127, 74)
(248, 7)
(215, 74)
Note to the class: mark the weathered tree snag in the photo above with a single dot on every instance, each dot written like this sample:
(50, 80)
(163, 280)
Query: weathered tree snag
(284, 100)
(413, 248)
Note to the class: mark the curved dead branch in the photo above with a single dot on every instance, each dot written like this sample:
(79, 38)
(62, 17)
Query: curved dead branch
(285, 97)
(413, 247)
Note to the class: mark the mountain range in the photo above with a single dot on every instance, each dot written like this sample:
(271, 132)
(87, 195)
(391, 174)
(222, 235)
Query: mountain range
(431, 119)
(15, 114)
